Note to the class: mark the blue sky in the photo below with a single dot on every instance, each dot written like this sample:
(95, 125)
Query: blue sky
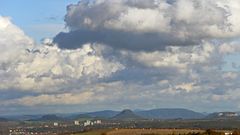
(38, 18)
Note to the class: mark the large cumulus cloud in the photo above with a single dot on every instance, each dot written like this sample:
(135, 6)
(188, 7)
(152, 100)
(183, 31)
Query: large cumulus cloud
(192, 76)
(171, 55)
(27, 66)
(149, 25)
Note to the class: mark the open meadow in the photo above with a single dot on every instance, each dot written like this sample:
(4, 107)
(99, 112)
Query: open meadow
(141, 132)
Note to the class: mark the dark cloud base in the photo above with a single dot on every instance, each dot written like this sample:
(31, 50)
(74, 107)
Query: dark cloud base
(119, 39)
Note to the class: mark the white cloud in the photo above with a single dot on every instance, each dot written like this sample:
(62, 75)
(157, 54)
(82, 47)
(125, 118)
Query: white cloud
(180, 58)
(140, 20)
(89, 94)
(94, 74)
(26, 66)
(150, 25)
(58, 99)
(12, 39)
(229, 48)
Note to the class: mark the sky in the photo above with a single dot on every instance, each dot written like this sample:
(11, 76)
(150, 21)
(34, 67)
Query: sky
(64, 56)
(38, 19)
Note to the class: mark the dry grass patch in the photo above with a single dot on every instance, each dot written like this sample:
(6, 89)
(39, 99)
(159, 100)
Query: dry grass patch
(152, 131)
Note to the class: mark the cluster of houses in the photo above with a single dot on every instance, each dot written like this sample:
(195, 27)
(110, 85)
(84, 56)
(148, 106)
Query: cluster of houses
(91, 123)
(228, 114)
(85, 123)
(49, 129)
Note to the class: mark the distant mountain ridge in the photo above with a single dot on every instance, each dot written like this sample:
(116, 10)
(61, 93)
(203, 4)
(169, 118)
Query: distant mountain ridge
(103, 114)
(163, 113)
(49, 117)
(3, 119)
(170, 113)
(127, 115)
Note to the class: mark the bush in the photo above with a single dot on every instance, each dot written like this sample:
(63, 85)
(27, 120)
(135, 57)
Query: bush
(104, 133)
(236, 132)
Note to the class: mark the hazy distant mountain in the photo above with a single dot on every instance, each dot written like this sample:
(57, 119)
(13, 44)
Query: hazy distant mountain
(81, 117)
(127, 115)
(170, 114)
(50, 117)
(99, 114)
(3, 120)
(164, 113)
(21, 117)
(103, 114)
(223, 115)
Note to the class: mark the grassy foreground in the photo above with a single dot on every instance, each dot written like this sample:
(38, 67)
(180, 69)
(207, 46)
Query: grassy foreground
(141, 132)
(96, 132)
